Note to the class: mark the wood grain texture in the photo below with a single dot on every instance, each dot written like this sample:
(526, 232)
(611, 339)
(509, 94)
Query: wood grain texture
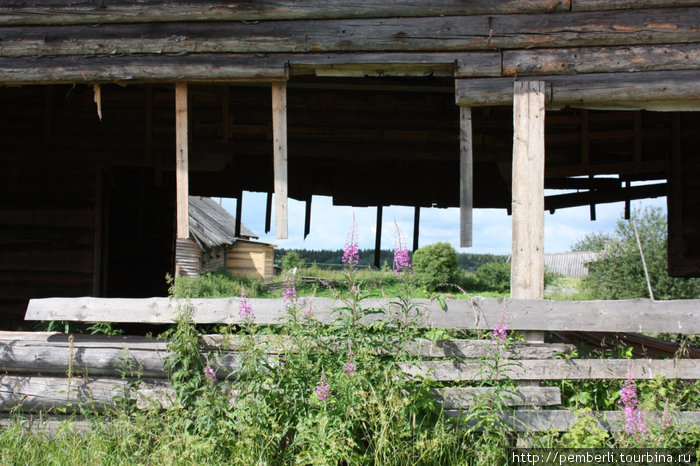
(527, 265)
(130, 11)
(464, 397)
(665, 90)
(451, 33)
(279, 136)
(523, 420)
(556, 369)
(466, 177)
(635, 315)
(580, 60)
(181, 161)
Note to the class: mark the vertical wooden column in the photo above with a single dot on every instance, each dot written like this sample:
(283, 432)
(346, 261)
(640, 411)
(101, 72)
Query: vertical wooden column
(527, 266)
(466, 177)
(378, 238)
(181, 167)
(307, 217)
(279, 135)
(416, 227)
(268, 213)
(239, 214)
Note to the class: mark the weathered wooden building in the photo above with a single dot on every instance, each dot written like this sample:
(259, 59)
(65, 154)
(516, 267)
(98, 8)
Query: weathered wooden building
(114, 112)
(219, 241)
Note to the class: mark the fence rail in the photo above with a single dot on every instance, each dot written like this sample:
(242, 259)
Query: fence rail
(634, 315)
(49, 372)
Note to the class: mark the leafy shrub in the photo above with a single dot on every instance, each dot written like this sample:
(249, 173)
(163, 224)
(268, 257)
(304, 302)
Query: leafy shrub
(435, 265)
(494, 276)
(292, 260)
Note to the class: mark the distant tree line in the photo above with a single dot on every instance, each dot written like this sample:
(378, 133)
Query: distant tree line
(466, 261)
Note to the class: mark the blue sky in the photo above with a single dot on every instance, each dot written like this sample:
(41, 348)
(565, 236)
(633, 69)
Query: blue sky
(492, 228)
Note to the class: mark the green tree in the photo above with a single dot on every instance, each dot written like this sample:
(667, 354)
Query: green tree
(619, 273)
(592, 242)
(435, 265)
(291, 260)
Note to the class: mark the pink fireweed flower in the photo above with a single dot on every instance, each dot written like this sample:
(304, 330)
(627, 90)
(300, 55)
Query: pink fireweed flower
(630, 405)
(245, 309)
(209, 373)
(351, 254)
(499, 336)
(402, 260)
(665, 421)
(350, 368)
(323, 390)
(290, 292)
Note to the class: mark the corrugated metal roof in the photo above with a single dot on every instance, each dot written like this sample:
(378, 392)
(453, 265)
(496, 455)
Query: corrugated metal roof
(211, 225)
(570, 264)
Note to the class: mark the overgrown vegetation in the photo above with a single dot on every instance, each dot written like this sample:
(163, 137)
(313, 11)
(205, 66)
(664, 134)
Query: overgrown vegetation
(619, 273)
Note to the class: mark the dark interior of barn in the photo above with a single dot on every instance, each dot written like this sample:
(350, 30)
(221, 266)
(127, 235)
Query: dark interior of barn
(89, 204)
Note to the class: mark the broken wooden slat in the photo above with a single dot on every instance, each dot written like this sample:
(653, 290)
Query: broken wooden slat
(634, 315)
(181, 163)
(279, 135)
(667, 90)
(466, 177)
(556, 369)
(47, 12)
(464, 33)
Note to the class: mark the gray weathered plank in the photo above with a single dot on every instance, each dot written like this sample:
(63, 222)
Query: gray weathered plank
(592, 5)
(64, 395)
(676, 89)
(33, 343)
(634, 315)
(556, 369)
(523, 420)
(601, 60)
(464, 397)
(46, 12)
(452, 33)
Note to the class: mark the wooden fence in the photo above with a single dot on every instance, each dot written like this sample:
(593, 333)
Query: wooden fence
(52, 372)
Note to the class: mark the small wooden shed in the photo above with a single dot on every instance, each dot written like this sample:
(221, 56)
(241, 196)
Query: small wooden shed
(218, 245)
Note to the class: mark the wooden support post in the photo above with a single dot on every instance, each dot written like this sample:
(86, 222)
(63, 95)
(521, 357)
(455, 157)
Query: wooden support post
(268, 213)
(638, 141)
(181, 167)
(239, 214)
(592, 189)
(675, 204)
(527, 266)
(307, 218)
(378, 238)
(466, 183)
(97, 97)
(416, 224)
(628, 203)
(279, 134)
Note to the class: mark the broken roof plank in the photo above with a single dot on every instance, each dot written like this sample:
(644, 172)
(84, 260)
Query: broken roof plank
(635, 315)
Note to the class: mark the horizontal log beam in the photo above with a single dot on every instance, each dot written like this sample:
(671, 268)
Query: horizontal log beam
(666, 90)
(593, 5)
(131, 11)
(562, 201)
(635, 315)
(601, 60)
(25, 347)
(453, 33)
(556, 369)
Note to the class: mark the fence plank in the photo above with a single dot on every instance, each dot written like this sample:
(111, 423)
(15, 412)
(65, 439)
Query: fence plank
(61, 394)
(463, 397)
(556, 369)
(635, 315)
(562, 420)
